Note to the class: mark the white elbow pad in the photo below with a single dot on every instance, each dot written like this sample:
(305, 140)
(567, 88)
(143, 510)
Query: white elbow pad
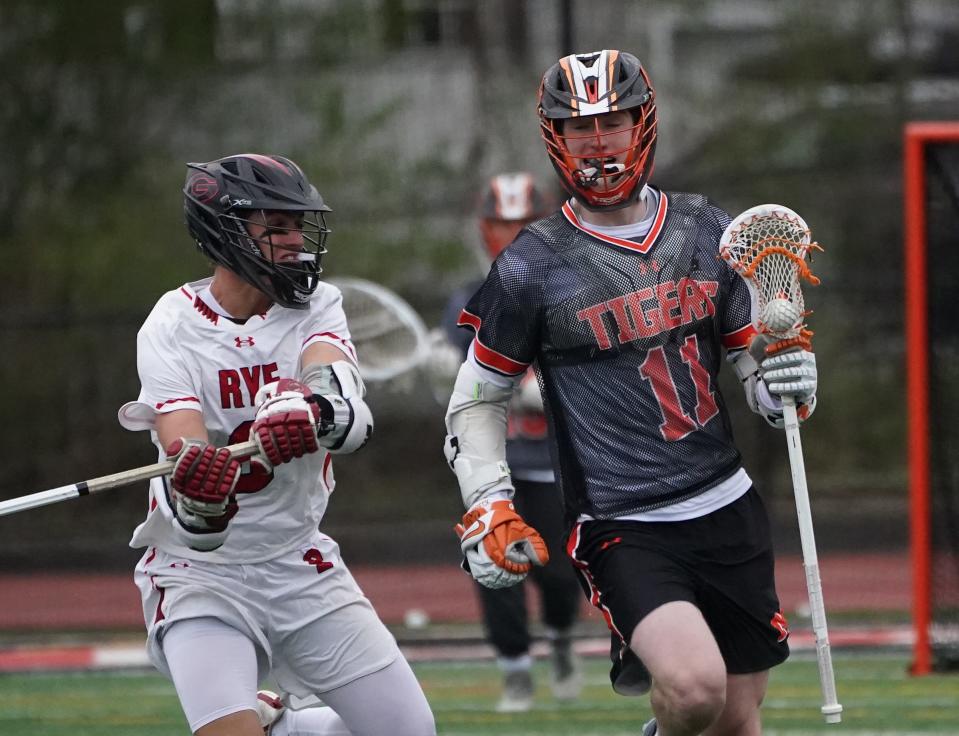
(476, 440)
(340, 384)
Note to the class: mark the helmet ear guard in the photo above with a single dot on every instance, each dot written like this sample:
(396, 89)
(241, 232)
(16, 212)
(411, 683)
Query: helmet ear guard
(219, 198)
(588, 86)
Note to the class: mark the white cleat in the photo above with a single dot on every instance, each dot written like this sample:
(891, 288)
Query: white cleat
(565, 678)
(517, 692)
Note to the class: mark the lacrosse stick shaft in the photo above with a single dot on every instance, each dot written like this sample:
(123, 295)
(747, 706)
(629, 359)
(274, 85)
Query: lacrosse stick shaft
(239, 451)
(831, 709)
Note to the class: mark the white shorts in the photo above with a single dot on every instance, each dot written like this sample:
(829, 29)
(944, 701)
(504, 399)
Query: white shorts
(311, 625)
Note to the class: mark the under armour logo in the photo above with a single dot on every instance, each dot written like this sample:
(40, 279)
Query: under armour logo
(778, 622)
(313, 557)
(244, 341)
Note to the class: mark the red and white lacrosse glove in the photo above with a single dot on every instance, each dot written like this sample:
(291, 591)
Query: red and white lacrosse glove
(269, 708)
(203, 480)
(289, 418)
(500, 548)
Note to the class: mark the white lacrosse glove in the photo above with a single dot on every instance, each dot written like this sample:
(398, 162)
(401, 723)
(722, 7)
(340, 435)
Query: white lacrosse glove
(500, 548)
(792, 373)
(767, 378)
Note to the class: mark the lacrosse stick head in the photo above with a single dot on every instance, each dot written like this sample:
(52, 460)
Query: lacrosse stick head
(390, 338)
(769, 246)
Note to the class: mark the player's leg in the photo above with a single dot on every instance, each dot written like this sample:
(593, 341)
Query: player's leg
(214, 670)
(740, 602)
(506, 623)
(388, 702)
(541, 505)
(740, 717)
(349, 659)
(688, 672)
(649, 598)
(279, 720)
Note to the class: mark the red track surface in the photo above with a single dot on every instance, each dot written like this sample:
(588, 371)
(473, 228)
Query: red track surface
(51, 602)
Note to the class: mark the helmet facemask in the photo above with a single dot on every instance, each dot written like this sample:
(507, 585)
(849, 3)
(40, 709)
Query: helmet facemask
(286, 268)
(607, 173)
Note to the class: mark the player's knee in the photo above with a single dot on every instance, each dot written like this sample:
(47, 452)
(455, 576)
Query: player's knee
(695, 696)
(704, 705)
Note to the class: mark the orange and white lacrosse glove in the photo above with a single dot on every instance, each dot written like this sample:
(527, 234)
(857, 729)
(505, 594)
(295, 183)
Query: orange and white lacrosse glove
(499, 547)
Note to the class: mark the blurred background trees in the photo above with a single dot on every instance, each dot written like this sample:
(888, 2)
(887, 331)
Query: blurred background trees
(399, 110)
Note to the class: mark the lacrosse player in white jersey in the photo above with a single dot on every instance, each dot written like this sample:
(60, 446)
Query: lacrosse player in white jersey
(237, 581)
(621, 303)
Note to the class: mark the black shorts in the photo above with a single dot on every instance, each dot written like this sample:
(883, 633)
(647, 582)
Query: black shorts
(722, 563)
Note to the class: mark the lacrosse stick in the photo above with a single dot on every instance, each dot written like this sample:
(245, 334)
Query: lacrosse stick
(389, 336)
(768, 246)
(239, 451)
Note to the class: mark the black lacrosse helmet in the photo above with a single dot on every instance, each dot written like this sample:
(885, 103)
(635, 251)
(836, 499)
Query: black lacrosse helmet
(582, 85)
(219, 199)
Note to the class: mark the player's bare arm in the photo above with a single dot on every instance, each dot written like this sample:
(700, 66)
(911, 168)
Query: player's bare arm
(180, 423)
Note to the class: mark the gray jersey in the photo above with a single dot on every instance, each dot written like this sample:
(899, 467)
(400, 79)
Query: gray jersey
(627, 338)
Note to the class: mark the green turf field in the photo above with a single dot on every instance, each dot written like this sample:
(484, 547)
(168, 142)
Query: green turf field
(878, 696)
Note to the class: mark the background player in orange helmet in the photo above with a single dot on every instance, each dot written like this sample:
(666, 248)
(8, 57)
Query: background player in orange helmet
(509, 202)
(620, 302)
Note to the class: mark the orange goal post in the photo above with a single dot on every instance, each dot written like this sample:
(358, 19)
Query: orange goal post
(931, 212)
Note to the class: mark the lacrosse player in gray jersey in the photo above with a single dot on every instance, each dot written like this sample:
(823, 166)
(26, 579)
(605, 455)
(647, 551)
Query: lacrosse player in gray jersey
(620, 303)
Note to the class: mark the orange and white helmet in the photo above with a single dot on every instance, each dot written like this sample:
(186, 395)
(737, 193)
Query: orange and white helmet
(509, 203)
(581, 85)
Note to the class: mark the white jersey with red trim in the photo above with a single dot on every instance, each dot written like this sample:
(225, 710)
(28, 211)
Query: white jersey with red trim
(627, 335)
(190, 357)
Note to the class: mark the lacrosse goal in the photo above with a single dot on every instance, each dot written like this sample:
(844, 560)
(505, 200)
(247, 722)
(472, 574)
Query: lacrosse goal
(931, 163)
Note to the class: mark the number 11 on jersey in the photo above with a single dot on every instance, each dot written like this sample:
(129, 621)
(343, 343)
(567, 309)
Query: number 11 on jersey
(655, 369)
